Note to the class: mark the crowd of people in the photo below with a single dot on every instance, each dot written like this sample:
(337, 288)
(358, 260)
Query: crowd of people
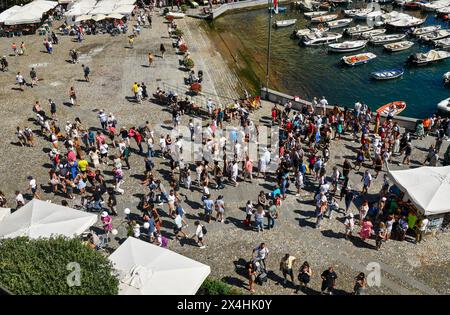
(81, 158)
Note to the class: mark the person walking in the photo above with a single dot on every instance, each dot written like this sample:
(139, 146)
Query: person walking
(261, 254)
(86, 71)
(73, 97)
(367, 180)
(162, 49)
(286, 265)
(32, 186)
(360, 284)
(381, 235)
(304, 276)
(33, 77)
(259, 219)
(220, 208)
(328, 281)
(200, 232)
(251, 272)
(272, 214)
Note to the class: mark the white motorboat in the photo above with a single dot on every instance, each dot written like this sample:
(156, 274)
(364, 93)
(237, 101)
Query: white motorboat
(432, 56)
(405, 23)
(285, 23)
(353, 12)
(398, 46)
(368, 16)
(357, 30)
(310, 15)
(444, 11)
(442, 43)
(446, 77)
(425, 30)
(320, 38)
(384, 39)
(358, 59)
(435, 35)
(375, 32)
(444, 106)
(340, 1)
(324, 18)
(307, 5)
(176, 15)
(347, 46)
(306, 31)
(436, 5)
(339, 23)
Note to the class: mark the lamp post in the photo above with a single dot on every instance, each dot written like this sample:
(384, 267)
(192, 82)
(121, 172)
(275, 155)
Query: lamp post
(269, 39)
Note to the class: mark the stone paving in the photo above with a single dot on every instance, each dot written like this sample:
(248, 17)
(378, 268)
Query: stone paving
(406, 268)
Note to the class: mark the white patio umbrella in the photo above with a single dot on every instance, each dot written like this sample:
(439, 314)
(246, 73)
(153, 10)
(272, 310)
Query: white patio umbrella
(84, 17)
(99, 17)
(116, 16)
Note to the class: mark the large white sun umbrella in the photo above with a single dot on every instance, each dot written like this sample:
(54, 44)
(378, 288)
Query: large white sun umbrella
(84, 17)
(116, 16)
(99, 17)
(43, 219)
(147, 269)
(427, 187)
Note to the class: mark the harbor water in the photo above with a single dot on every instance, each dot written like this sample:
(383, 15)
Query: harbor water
(308, 72)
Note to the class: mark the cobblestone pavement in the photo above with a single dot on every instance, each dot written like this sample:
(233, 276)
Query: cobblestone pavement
(406, 267)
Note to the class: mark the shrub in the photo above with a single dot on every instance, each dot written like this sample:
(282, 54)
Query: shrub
(40, 266)
(184, 8)
(213, 286)
(177, 32)
(189, 63)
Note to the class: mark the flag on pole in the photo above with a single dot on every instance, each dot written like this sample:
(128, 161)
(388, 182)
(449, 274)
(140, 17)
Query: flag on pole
(275, 6)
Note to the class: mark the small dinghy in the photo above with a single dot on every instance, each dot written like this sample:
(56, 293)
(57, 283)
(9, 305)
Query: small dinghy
(376, 32)
(324, 18)
(357, 30)
(425, 30)
(442, 43)
(432, 56)
(358, 59)
(306, 31)
(392, 109)
(374, 15)
(338, 23)
(398, 46)
(435, 35)
(347, 46)
(310, 15)
(285, 23)
(387, 74)
(446, 77)
(383, 39)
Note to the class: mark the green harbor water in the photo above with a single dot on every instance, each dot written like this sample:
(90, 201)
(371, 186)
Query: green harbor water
(309, 72)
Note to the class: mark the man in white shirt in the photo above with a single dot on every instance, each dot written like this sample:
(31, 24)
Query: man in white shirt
(261, 252)
(234, 173)
(210, 106)
(19, 199)
(367, 180)
(421, 228)
(324, 103)
(33, 187)
(199, 234)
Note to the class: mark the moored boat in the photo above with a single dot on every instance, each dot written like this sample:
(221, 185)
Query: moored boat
(446, 77)
(387, 74)
(444, 106)
(392, 109)
(347, 46)
(176, 15)
(442, 43)
(375, 32)
(280, 10)
(306, 31)
(425, 30)
(358, 59)
(324, 18)
(368, 16)
(312, 14)
(432, 56)
(338, 23)
(320, 38)
(357, 30)
(405, 22)
(353, 12)
(398, 46)
(285, 23)
(384, 39)
(435, 35)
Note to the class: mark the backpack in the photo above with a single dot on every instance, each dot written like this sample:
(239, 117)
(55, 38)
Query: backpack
(164, 242)
(204, 230)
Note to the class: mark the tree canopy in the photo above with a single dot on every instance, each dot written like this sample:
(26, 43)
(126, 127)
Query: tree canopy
(50, 267)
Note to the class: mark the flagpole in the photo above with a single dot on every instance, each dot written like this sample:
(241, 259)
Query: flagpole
(268, 45)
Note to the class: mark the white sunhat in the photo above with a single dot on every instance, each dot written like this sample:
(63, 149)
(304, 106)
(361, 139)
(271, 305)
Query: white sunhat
(104, 214)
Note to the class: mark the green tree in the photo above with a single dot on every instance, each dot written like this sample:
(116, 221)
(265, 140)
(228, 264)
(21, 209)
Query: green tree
(214, 286)
(49, 267)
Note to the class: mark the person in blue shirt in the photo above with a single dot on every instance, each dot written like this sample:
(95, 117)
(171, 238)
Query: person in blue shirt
(275, 192)
(208, 204)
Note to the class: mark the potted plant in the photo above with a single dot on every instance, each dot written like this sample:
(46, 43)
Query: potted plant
(189, 64)
(183, 48)
(196, 87)
(184, 8)
(177, 32)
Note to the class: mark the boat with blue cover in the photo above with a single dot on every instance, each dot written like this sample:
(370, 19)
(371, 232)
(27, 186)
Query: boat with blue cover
(387, 74)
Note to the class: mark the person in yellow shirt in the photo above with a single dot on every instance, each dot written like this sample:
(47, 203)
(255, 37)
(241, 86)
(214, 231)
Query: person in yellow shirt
(82, 165)
(135, 89)
(131, 41)
(286, 267)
